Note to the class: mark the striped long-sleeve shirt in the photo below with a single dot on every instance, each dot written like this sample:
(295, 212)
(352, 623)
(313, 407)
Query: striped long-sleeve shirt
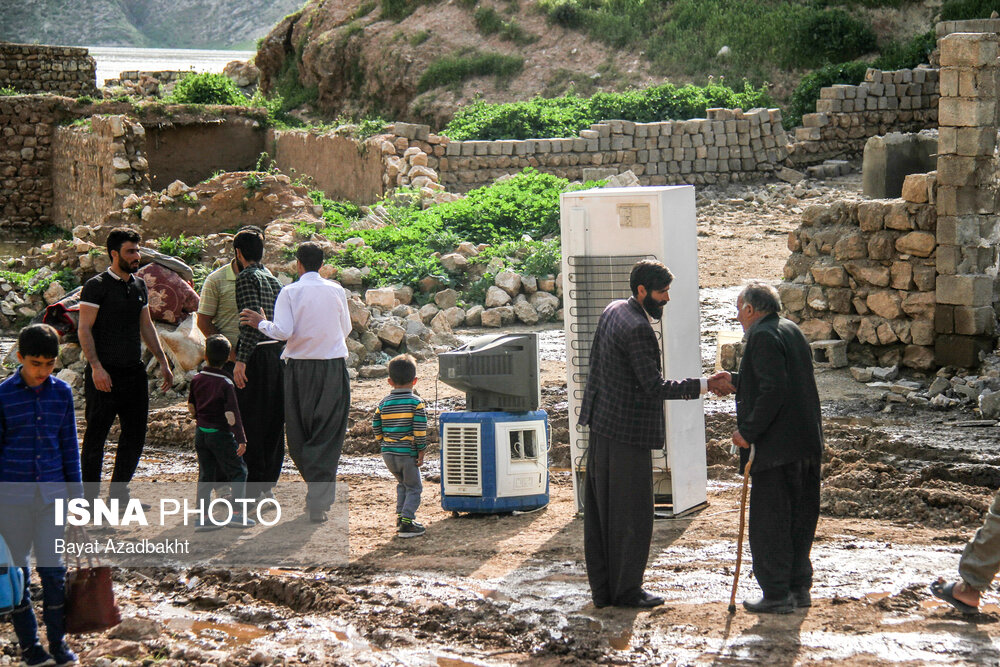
(400, 423)
(38, 445)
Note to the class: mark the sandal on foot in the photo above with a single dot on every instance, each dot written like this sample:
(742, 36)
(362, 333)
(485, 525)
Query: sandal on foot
(946, 592)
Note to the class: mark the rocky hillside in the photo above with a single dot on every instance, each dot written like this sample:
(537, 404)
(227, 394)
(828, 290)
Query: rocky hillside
(419, 60)
(142, 23)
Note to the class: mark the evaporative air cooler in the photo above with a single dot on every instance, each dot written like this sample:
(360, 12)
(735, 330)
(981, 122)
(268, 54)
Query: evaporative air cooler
(494, 456)
(604, 232)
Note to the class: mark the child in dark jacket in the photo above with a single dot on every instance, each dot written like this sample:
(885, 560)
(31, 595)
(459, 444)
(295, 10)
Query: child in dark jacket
(219, 440)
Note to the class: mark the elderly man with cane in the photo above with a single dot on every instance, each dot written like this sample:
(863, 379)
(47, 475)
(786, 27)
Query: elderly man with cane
(777, 409)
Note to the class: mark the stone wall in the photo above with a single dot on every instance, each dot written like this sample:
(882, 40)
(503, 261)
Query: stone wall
(864, 272)
(968, 227)
(729, 145)
(27, 124)
(31, 68)
(846, 116)
(95, 167)
(342, 167)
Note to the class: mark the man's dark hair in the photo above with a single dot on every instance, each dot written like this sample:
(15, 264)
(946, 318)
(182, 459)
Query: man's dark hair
(762, 296)
(402, 369)
(250, 241)
(311, 256)
(651, 274)
(217, 350)
(38, 340)
(119, 236)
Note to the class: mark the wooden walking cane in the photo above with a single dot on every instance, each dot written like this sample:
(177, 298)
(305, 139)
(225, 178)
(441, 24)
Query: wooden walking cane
(739, 540)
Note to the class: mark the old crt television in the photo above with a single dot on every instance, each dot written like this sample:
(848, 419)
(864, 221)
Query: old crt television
(497, 372)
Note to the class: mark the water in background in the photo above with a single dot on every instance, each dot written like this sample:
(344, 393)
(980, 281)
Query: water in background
(113, 60)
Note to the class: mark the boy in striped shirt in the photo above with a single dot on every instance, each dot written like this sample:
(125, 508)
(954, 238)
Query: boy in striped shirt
(400, 424)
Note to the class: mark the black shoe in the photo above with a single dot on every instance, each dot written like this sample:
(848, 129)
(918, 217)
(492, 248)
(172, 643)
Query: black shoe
(410, 528)
(317, 516)
(63, 654)
(765, 606)
(802, 598)
(644, 601)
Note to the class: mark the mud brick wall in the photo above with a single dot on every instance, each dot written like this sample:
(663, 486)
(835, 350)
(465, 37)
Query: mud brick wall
(729, 145)
(30, 68)
(846, 116)
(95, 167)
(968, 227)
(865, 272)
(341, 167)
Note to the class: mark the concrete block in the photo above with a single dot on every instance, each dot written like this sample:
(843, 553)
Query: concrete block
(964, 290)
(969, 49)
(890, 158)
(966, 112)
(829, 353)
(975, 321)
(961, 351)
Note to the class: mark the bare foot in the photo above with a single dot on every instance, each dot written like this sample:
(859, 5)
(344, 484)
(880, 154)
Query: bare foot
(963, 592)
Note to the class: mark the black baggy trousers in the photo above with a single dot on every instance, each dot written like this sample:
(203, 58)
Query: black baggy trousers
(784, 509)
(617, 519)
(262, 409)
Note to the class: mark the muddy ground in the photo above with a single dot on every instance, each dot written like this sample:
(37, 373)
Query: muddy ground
(903, 490)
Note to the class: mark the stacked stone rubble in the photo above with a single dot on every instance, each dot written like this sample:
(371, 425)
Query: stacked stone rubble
(147, 84)
(31, 68)
(846, 116)
(864, 272)
(27, 124)
(968, 225)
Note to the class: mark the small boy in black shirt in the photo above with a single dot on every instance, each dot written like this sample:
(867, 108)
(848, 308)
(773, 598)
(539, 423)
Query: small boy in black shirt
(219, 440)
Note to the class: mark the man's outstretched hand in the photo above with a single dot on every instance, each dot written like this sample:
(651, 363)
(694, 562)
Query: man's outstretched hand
(721, 384)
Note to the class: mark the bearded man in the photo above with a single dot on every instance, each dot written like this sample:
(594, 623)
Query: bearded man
(623, 406)
(114, 317)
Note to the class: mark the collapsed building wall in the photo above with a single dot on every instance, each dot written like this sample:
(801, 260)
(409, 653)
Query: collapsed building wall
(95, 167)
(846, 116)
(193, 150)
(32, 68)
(341, 167)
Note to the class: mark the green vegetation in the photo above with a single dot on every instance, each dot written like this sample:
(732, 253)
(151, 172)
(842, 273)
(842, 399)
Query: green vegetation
(489, 22)
(207, 88)
(566, 116)
(502, 215)
(187, 249)
(956, 10)
(455, 69)
(31, 284)
(419, 38)
(397, 10)
(6, 91)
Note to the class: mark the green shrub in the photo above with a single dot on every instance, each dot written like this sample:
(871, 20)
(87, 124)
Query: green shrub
(832, 36)
(207, 88)
(419, 38)
(957, 10)
(30, 283)
(188, 249)
(566, 116)
(397, 10)
(7, 91)
(804, 98)
(457, 68)
(908, 55)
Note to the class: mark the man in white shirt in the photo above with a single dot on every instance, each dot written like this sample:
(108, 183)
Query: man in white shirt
(311, 316)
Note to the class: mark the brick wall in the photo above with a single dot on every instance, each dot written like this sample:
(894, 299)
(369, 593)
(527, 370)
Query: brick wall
(31, 68)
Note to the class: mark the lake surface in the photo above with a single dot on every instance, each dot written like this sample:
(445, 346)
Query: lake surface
(111, 60)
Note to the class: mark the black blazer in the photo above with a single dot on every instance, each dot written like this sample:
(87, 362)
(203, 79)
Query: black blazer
(777, 404)
(625, 387)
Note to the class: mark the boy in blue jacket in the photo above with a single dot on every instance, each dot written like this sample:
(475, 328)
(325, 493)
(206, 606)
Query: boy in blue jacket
(39, 463)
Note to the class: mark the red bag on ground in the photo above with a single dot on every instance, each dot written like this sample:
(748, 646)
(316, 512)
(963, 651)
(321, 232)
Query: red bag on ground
(90, 598)
(171, 298)
(64, 314)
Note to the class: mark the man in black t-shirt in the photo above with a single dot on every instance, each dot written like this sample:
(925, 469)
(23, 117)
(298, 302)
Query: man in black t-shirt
(114, 320)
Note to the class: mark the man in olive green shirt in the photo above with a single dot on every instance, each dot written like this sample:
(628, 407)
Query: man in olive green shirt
(217, 310)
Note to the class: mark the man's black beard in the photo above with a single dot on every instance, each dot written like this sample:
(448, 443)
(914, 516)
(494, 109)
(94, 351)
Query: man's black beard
(653, 307)
(126, 267)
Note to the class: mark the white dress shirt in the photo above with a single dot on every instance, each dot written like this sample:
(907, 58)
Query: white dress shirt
(311, 315)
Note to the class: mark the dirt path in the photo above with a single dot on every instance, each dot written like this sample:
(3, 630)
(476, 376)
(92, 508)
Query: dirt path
(902, 492)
